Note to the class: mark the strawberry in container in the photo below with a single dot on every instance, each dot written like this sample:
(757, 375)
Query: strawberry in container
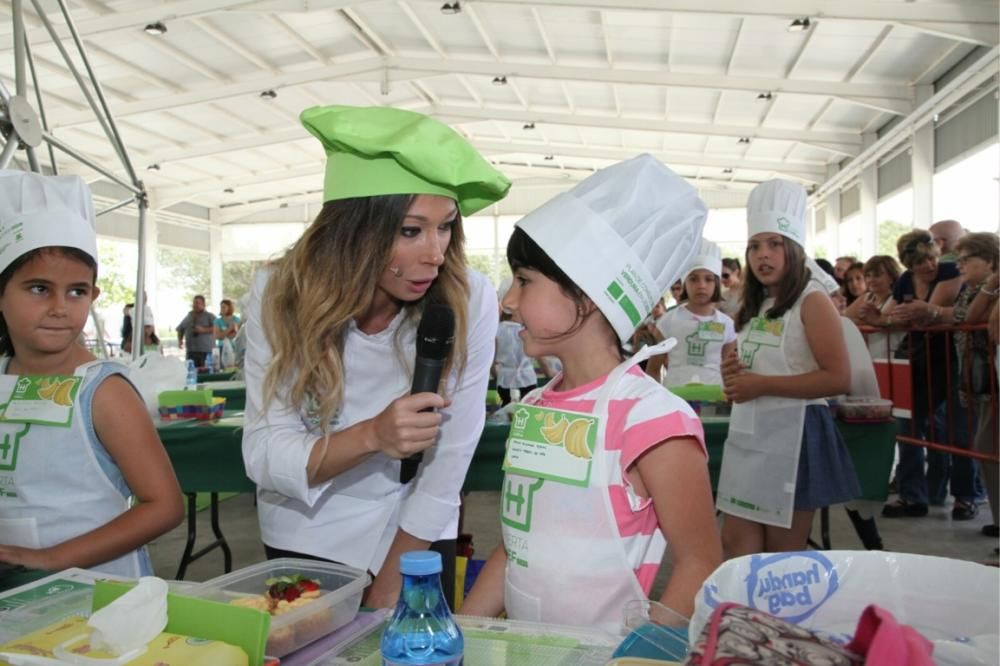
(306, 599)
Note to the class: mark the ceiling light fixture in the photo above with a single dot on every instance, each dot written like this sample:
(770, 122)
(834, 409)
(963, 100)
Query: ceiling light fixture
(799, 24)
(528, 126)
(153, 167)
(727, 171)
(744, 139)
(451, 8)
(500, 80)
(268, 94)
(157, 28)
(550, 157)
(764, 96)
(228, 190)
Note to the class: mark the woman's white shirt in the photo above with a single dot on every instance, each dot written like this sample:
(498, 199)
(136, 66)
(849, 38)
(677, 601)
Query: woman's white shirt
(353, 517)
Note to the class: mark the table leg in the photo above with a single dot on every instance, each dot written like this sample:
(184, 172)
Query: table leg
(192, 534)
(824, 531)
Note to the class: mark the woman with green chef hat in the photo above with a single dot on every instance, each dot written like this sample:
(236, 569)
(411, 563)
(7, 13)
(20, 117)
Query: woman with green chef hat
(331, 336)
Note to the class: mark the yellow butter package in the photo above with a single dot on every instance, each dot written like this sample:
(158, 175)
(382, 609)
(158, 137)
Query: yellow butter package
(164, 650)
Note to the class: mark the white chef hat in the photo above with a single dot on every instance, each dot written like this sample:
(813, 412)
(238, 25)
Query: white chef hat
(824, 279)
(147, 315)
(709, 257)
(44, 211)
(778, 207)
(623, 235)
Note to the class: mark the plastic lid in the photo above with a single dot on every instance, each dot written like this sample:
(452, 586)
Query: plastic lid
(420, 563)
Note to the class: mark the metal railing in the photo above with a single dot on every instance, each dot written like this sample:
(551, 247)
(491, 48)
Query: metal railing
(928, 384)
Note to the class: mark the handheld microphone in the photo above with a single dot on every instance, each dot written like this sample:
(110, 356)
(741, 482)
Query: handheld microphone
(435, 336)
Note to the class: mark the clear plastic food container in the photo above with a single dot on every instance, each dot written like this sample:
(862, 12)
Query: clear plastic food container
(863, 410)
(340, 589)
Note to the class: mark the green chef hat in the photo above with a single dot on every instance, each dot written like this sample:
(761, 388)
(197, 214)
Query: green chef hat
(378, 150)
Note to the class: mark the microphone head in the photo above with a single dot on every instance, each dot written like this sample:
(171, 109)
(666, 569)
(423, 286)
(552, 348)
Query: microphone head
(436, 332)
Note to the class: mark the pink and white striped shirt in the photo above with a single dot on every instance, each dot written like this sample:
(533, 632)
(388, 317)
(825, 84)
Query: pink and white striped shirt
(641, 415)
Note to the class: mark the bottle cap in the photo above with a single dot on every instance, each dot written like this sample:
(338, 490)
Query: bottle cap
(420, 563)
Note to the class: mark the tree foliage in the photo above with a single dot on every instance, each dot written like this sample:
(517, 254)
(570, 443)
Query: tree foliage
(237, 278)
(185, 270)
(889, 232)
(484, 263)
(117, 288)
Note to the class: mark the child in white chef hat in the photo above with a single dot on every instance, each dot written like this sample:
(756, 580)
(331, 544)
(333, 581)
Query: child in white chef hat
(76, 443)
(604, 467)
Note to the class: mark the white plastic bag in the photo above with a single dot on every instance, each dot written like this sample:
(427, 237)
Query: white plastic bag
(953, 603)
(153, 373)
(227, 354)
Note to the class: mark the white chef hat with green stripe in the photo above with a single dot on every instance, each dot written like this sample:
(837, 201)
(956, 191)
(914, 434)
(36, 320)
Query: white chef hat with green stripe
(623, 235)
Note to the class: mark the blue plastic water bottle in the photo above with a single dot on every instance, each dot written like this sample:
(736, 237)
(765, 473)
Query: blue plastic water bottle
(210, 362)
(192, 376)
(422, 631)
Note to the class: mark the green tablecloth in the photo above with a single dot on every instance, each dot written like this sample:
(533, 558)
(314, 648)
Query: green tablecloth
(871, 446)
(207, 455)
(216, 376)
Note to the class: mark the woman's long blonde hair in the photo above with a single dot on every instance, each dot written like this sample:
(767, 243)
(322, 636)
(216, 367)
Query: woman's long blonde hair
(329, 278)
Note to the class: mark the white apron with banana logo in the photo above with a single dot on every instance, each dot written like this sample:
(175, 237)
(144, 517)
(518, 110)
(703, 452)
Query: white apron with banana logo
(760, 461)
(565, 560)
(55, 482)
(698, 353)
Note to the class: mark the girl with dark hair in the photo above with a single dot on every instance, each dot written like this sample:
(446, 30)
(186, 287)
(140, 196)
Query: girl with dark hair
(854, 283)
(784, 457)
(620, 469)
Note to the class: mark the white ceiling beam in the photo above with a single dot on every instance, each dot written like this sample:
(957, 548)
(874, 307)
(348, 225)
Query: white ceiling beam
(248, 86)
(424, 92)
(372, 69)
(424, 31)
(973, 33)
(928, 16)
(607, 40)
(233, 213)
(514, 88)
(813, 172)
(174, 194)
(570, 104)
(729, 68)
(365, 34)
(178, 10)
(953, 12)
(93, 5)
(469, 89)
(137, 71)
(844, 140)
(234, 45)
(260, 140)
(654, 77)
(949, 56)
(313, 52)
(806, 171)
(189, 61)
(484, 34)
(544, 35)
(559, 176)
